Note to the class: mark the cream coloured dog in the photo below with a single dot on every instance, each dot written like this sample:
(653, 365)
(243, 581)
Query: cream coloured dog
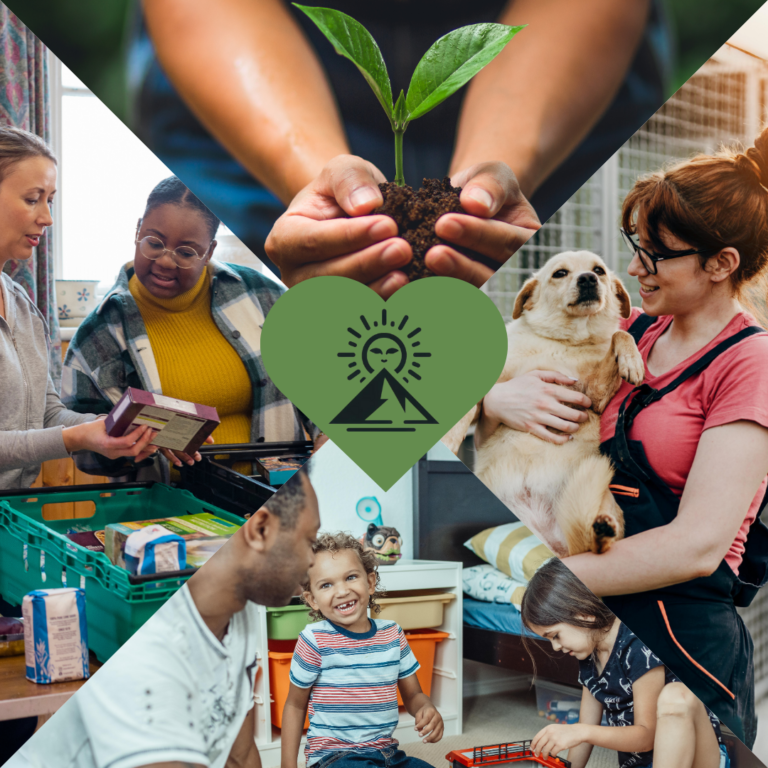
(565, 319)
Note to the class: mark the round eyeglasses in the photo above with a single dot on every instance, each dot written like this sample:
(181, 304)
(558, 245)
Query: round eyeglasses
(649, 258)
(153, 248)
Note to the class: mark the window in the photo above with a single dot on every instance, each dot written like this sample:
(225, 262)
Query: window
(105, 176)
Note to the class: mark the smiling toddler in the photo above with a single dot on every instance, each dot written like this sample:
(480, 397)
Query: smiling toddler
(347, 669)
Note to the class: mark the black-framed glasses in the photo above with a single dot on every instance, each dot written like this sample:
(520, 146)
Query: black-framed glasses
(649, 258)
(153, 248)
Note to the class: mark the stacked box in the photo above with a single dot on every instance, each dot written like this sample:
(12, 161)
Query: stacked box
(204, 534)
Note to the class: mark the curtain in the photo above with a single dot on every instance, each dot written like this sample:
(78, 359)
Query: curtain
(25, 102)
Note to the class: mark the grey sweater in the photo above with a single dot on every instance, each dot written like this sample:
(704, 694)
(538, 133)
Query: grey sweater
(32, 416)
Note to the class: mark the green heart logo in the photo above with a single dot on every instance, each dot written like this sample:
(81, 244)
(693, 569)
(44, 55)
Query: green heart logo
(384, 380)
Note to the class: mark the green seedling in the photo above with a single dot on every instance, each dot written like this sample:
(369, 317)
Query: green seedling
(450, 63)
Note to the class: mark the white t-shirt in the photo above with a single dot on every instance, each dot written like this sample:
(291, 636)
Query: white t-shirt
(172, 692)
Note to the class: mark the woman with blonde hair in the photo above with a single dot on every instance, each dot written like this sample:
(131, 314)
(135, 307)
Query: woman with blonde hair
(34, 424)
(690, 445)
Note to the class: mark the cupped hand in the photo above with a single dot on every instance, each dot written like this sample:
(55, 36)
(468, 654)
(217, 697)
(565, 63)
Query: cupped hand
(177, 458)
(531, 403)
(500, 221)
(327, 230)
(555, 738)
(429, 724)
(92, 436)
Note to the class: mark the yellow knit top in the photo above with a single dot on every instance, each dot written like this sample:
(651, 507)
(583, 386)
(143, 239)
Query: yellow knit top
(194, 359)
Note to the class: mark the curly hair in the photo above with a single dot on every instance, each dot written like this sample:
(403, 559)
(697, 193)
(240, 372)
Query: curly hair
(337, 542)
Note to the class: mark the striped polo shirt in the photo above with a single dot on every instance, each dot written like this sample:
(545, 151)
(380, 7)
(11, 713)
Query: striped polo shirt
(353, 676)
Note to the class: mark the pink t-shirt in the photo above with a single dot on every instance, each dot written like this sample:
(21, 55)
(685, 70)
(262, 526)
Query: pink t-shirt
(734, 387)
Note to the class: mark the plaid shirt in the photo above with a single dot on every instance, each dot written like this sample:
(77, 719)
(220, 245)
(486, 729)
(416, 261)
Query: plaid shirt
(111, 352)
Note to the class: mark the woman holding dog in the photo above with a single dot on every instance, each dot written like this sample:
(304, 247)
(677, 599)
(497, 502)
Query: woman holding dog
(690, 445)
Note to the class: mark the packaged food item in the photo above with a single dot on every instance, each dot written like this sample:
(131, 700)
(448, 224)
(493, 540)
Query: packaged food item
(155, 549)
(182, 426)
(277, 470)
(11, 636)
(92, 540)
(55, 635)
(203, 533)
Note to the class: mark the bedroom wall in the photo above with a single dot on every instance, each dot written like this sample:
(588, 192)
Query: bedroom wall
(340, 484)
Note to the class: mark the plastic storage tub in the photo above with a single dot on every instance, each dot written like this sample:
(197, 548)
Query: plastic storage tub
(423, 644)
(35, 553)
(415, 611)
(213, 479)
(280, 655)
(559, 703)
(286, 623)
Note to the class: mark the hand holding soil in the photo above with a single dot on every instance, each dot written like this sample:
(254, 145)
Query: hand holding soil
(500, 221)
(326, 230)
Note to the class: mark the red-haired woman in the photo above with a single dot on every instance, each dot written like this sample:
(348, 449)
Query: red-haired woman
(693, 439)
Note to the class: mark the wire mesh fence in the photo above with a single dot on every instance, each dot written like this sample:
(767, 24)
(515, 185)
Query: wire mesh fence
(725, 102)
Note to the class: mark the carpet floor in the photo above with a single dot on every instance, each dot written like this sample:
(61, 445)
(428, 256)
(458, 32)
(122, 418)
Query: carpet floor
(495, 719)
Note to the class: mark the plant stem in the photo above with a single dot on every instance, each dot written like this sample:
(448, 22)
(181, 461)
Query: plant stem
(399, 176)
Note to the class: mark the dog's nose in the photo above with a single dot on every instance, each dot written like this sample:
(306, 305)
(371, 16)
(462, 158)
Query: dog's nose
(587, 278)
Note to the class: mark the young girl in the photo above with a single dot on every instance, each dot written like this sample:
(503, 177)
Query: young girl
(348, 668)
(664, 724)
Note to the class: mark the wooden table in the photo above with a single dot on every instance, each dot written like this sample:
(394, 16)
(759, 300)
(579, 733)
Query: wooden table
(21, 698)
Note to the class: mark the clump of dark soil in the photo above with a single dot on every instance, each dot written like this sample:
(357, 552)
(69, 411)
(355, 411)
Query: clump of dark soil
(416, 212)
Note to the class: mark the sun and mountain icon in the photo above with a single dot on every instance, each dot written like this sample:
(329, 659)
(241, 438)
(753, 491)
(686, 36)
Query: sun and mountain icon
(384, 350)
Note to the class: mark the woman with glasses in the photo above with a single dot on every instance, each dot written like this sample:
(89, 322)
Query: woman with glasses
(34, 424)
(692, 441)
(181, 325)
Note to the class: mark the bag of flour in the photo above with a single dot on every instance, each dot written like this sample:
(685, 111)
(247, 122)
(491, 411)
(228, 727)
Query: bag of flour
(155, 549)
(55, 635)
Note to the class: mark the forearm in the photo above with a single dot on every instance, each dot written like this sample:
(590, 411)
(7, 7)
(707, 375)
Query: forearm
(414, 703)
(579, 756)
(290, 735)
(632, 738)
(657, 558)
(249, 75)
(250, 758)
(30, 447)
(542, 95)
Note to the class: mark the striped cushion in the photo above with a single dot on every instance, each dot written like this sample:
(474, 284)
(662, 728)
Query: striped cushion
(511, 548)
(486, 583)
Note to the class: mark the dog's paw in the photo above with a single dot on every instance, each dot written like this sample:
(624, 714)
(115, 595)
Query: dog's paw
(629, 361)
(604, 530)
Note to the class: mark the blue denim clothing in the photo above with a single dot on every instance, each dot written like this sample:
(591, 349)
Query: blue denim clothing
(371, 758)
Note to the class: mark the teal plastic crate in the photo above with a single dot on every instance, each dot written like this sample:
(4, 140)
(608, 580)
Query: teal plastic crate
(36, 553)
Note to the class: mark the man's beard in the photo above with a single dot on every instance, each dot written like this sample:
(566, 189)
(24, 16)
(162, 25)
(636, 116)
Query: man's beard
(278, 579)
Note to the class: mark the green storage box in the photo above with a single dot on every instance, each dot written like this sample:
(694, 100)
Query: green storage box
(36, 553)
(286, 623)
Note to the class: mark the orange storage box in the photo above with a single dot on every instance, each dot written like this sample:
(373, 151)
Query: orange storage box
(423, 643)
(280, 655)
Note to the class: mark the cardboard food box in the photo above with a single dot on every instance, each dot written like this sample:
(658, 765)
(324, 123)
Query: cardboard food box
(181, 426)
(204, 534)
(277, 470)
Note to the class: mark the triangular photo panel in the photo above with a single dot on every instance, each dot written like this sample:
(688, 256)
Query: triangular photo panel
(438, 615)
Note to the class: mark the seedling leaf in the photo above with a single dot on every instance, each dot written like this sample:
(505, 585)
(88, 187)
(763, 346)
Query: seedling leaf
(352, 40)
(452, 61)
(400, 114)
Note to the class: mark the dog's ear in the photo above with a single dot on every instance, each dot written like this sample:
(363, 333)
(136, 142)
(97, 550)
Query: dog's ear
(524, 299)
(625, 303)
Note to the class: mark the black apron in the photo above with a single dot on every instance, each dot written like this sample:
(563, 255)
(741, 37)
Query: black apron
(693, 627)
